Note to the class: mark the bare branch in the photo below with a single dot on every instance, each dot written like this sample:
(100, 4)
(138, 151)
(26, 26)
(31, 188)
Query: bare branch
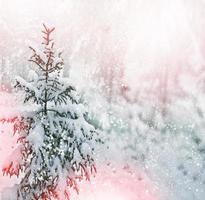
(30, 60)
(45, 27)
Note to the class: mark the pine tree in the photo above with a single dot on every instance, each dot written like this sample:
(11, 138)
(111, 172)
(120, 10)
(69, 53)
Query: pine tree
(56, 142)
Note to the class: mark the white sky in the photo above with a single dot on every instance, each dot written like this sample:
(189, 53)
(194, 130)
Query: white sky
(139, 34)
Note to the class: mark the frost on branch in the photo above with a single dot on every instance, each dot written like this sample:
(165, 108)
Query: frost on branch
(57, 142)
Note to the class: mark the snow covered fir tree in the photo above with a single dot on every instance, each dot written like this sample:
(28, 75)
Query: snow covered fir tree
(56, 143)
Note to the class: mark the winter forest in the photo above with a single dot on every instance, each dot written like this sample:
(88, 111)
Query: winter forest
(102, 99)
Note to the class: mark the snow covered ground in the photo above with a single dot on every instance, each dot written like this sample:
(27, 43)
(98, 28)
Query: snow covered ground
(172, 171)
(113, 181)
(117, 183)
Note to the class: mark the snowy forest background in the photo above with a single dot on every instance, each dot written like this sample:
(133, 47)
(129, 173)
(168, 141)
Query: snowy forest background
(139, 67)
